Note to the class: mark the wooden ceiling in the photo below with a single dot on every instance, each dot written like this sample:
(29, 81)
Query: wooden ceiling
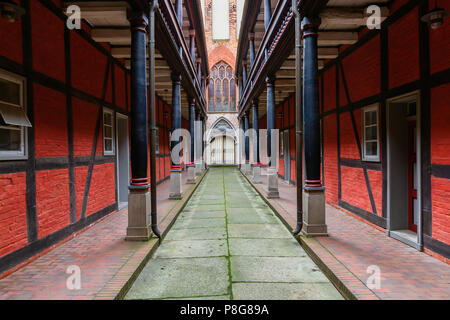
(109, 23)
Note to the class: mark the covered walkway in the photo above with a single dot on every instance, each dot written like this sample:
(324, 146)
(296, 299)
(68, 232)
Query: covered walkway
(228, 244)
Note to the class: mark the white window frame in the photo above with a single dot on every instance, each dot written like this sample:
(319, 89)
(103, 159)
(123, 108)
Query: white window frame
(23, 152)
(113, 144)
(365, 157)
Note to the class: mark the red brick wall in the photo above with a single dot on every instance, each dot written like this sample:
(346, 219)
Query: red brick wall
(52, 198)
(13, 220)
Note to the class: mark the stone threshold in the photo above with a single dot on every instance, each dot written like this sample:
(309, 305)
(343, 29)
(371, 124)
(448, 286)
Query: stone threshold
(123, 280)
(348, 284)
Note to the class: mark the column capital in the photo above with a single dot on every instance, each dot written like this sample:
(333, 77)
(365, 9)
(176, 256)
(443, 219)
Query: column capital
(255, 103)
(176, 77)
(192, 102)
(310, 25)
(192, 32)
(270, 81)
(251, 36)
(138, 20)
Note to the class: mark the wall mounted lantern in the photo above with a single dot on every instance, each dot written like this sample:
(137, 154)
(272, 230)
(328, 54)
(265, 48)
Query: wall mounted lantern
(11, 11)
(435, 18)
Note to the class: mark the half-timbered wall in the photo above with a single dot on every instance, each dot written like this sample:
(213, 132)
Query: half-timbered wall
(403, 57)
(66, 183)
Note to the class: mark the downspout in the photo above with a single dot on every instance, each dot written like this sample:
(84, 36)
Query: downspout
(298, 118)
(151, 77)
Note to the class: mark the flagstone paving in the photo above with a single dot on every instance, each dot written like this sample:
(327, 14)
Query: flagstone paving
(228, 244)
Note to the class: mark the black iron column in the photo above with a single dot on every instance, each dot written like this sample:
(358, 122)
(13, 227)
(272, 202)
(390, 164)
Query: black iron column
(191, 130)
(139, 114)
(247, 139)
(256, 129)
(241, 88)
(176, 119)
(311, 115)
(192, 45)
(179, 11)
(244, 74)
(267, 13)
(270, 82)
(251, 48)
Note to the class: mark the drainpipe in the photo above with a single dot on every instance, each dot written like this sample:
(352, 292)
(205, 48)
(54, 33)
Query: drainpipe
(298, 118)
(151, 76)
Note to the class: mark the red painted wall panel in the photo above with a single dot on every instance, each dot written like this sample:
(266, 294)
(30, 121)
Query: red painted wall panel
(354, 190)
(329, 92)
(362, 71)
(48, 55)
(52, 201)
(13, 220)
(330, 159)
(84, 123)
(404, 50)
(349, 147)
(440, 115)
(11, 39)
(102, 190)
(440, 42)
(50, 122)
(87, 74)
(376, 184)
(119, 80)
(441, 209)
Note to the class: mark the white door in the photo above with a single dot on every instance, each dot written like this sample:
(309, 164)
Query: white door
(228, 150)
(217, 150)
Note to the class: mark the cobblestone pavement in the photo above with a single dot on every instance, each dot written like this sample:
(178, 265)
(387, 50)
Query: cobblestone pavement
(228, 244)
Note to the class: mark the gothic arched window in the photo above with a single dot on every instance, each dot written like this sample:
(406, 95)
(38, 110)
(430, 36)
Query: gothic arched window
(222, 89)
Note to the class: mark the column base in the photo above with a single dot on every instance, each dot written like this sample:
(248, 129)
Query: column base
(139, 208)
(272, 184)
(314, 224)
(198, 169)
(257, 175)
(175, 186)
(191, 175)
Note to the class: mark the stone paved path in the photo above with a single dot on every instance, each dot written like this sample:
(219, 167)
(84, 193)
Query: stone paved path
(228, 244)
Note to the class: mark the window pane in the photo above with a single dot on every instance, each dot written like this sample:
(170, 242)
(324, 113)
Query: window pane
(218, 96)
(371, 133)
(232, 95)
(211, 96)
(370, 117)
(229, 72)
(108, 145)
(108, 132)
(226, 96)
(222, 72)
(107, 119)
(10, 140)
(9, 92)
(371, 148)
(214, 73)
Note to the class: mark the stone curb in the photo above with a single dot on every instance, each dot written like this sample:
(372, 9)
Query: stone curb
(123, 280)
